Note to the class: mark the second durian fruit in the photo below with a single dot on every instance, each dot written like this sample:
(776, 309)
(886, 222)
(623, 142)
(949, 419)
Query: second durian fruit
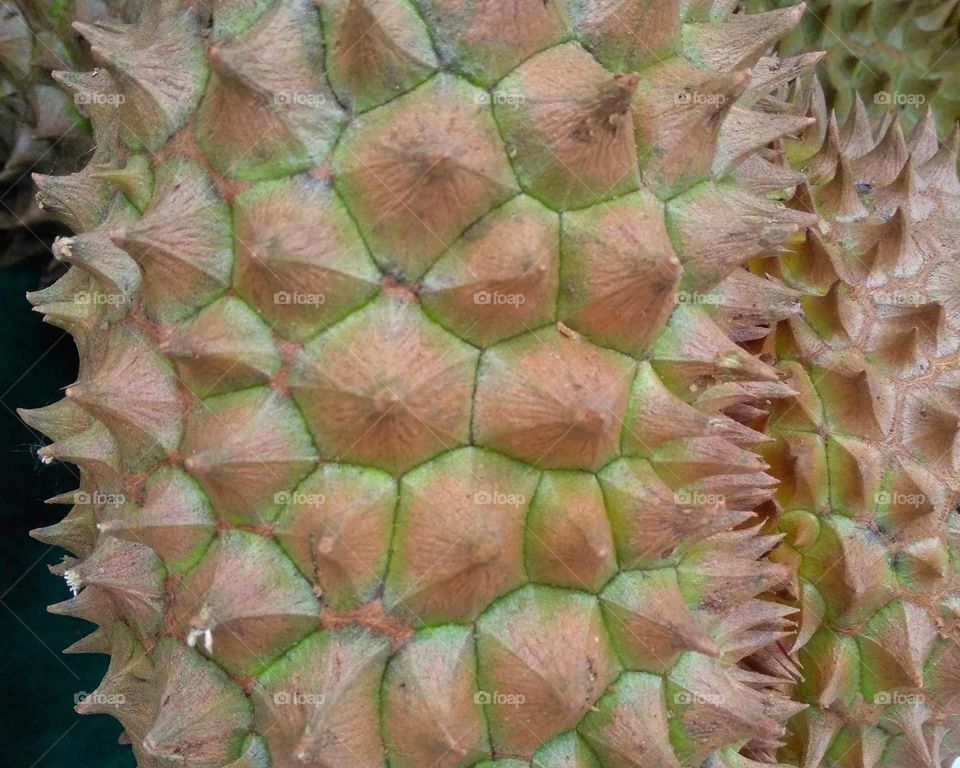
(867, 452)
(896, 54)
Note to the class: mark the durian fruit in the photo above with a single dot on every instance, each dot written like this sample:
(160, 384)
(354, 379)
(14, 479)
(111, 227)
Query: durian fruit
(42, 128)
(867, 453)
(895, 53)
(405, 434)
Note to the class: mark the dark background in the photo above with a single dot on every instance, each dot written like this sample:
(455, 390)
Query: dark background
(38, 727)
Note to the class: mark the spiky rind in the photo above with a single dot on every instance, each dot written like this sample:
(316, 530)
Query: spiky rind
(867, 450)
(369, 476)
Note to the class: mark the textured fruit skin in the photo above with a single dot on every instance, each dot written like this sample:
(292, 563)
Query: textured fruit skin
(410, 414)
(867, 452)
(42, 129)
(33, 114)
(894, 53)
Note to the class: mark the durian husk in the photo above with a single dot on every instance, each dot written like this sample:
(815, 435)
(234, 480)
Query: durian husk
(867, 454)
(42, 129)
(896, 54)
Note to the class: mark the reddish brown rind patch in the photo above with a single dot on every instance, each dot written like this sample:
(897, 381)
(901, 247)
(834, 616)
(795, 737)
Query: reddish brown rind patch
(385, 388)
(376, 49)
(431, 711)
(568, 538)
(267, 110)
(551, 401)
(182, 243)
(567, 125)
(459, 536)
(545, 658)
(487, 40)
(300, 262)
(419, 171)
(280, 383)
(501, 277)
(336, 527)
(618, 272)
(247, 449)
(373, 617)
(132, 391)
(318, 704)
(244, 604)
